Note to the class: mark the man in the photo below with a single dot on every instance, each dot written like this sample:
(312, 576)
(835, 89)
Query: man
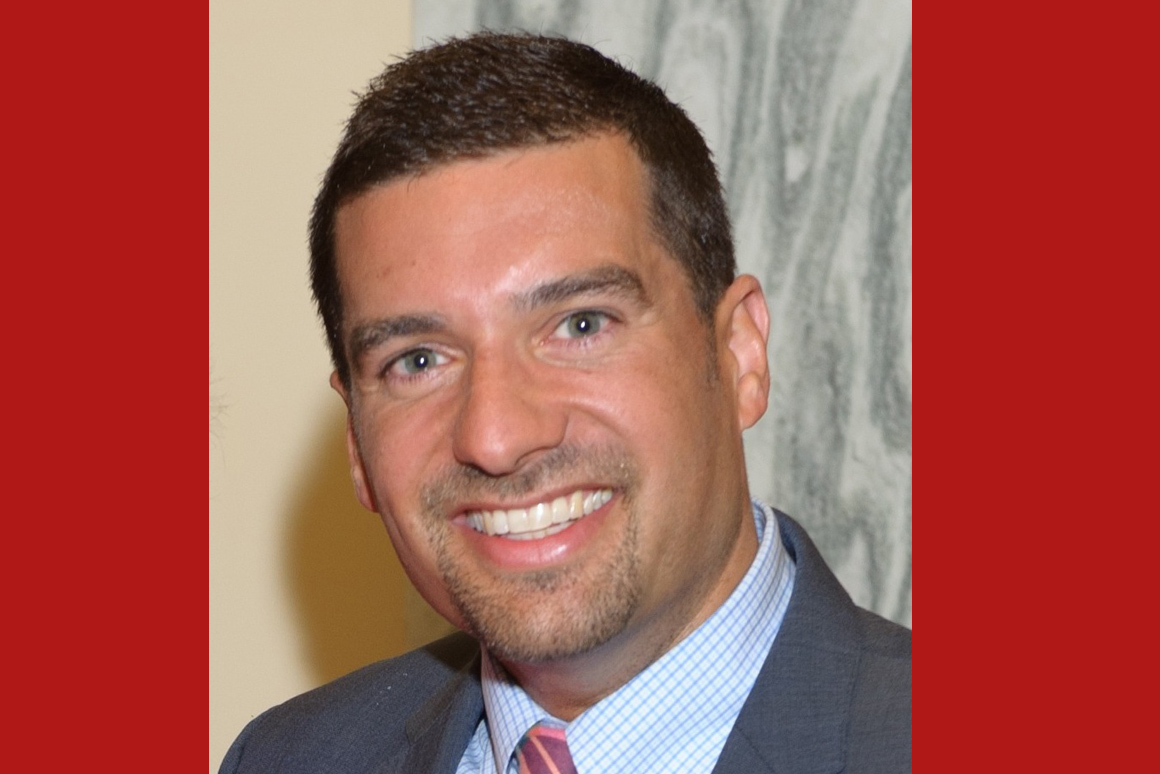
(523, 262)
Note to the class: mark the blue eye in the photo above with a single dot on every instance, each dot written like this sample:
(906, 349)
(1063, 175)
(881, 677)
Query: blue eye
(416, 361)
(582, 324)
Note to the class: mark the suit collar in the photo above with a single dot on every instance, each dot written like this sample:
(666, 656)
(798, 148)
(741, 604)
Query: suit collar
(795, 719)
(439, 731)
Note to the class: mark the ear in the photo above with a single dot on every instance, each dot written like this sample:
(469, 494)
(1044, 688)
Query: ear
(745, 318)
(358, 472)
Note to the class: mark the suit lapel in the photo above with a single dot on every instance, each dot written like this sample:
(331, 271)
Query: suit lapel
(795, 719)
(439, 731)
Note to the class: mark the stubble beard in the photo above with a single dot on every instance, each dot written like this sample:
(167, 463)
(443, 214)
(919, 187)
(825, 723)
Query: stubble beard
(548, 614)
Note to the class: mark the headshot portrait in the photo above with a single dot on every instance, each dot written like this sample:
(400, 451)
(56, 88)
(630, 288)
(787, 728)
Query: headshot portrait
(560, 387)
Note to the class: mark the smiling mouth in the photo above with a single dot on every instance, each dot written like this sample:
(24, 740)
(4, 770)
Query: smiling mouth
(541, 519)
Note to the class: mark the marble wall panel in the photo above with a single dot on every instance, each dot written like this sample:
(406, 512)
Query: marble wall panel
(806, 106)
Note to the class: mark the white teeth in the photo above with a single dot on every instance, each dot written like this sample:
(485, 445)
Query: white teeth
(517, 520)
(539, 533)
(499, 522)
(560, 510)
(542, 519)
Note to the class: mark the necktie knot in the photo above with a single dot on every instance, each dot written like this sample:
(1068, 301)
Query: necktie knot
(543, 750)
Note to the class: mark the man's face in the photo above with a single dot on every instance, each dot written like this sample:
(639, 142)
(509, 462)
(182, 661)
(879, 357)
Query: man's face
(549, 431)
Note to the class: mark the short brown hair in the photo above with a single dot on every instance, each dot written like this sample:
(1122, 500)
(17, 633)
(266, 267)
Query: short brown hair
(476, 96)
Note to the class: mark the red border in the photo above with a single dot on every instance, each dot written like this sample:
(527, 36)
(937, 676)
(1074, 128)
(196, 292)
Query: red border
(107, 332)
(1035, 339)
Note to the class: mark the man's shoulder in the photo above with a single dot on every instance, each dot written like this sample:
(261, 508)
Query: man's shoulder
(359, 716)
(883, 638)
(823, 618)
(397, 683)
(885, 666)
(837, 682)
(880, 704)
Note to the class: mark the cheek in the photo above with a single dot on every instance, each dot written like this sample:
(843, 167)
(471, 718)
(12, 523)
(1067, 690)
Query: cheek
(675, 423)
(658, 403)
(415, 549)
(396, 471)
(399, 449)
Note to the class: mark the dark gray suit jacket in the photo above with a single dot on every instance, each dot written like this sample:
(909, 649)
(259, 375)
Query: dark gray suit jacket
(832, 696)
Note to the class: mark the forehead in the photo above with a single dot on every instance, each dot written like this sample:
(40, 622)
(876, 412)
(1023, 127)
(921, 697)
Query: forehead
(501, 222)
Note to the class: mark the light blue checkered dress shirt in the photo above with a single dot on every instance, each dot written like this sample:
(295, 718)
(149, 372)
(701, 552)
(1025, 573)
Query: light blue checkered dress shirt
(677, 713)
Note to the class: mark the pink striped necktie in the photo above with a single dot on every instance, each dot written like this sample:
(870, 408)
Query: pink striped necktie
(543, 750)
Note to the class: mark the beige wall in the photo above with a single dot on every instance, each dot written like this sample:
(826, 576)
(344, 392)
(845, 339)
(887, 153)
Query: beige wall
(303, 584)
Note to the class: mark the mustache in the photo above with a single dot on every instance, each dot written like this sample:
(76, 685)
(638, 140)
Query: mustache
(606, 465)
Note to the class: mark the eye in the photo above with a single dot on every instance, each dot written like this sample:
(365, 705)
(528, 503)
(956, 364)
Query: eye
(415, 361)
(581, 325)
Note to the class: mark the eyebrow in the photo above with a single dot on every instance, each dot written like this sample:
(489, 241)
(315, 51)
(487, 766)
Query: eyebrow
(609, 278)
(603, 279)
(368, 335)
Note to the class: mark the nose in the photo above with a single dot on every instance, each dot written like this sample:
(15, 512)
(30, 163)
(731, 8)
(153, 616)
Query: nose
(506, 416)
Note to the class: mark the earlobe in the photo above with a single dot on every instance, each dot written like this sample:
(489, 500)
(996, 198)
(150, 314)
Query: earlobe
(748, 323)
(357, 471)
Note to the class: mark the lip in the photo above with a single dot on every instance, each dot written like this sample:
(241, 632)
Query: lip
(506, 554)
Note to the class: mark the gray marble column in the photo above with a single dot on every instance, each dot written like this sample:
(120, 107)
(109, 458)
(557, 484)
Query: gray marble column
(806, 105)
